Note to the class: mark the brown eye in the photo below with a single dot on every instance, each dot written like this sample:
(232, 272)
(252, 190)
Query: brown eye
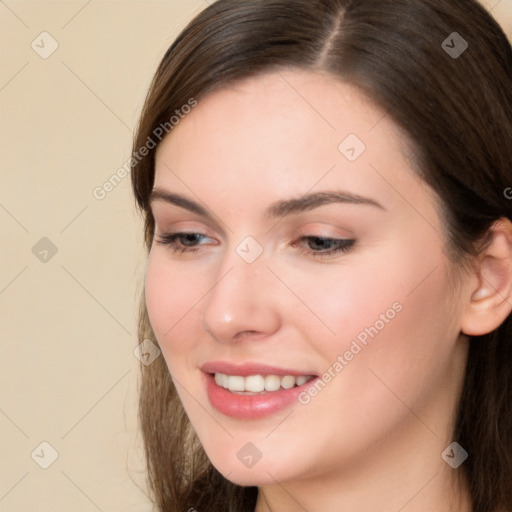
(323, 246)
(181, 242)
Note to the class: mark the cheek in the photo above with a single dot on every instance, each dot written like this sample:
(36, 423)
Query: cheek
(340, 304)
(392, 347)
(399, 341)
(172, 300)
(158, 300)
(393, 308)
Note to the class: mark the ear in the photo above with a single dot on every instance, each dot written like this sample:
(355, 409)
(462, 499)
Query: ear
(491, 298)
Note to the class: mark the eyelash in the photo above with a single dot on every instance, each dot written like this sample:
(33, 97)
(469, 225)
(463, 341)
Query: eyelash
(343, 245)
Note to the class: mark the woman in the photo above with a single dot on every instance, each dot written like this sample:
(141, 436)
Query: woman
(324, 188)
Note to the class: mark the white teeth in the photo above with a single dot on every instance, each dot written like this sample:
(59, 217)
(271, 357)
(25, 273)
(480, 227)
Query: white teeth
(272, 383)
(259, 383)
(288, 381)
(301, 380)
(254, 383)
(221, 379)
(236, 383)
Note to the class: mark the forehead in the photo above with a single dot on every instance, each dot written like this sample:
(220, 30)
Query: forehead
(287, 104)
(280, 134)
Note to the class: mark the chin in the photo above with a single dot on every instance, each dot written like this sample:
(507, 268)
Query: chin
(250, 477)
(243, 470)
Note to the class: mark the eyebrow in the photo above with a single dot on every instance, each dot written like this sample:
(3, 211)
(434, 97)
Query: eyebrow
(277, 209)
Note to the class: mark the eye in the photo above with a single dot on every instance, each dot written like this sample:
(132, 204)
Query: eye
(318, 246)
(182, 242)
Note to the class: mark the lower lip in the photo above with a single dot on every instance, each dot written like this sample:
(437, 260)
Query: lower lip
(251, 407)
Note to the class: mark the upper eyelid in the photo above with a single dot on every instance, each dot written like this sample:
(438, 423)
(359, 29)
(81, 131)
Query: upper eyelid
(294, 227)
(211, 220)
(295, 233)
(167, 223)
(281, 210)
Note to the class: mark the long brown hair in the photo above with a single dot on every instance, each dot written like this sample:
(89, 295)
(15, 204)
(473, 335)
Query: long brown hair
(456, 109)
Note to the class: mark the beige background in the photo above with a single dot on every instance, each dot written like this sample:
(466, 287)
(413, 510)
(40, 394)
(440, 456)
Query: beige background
(69, 376)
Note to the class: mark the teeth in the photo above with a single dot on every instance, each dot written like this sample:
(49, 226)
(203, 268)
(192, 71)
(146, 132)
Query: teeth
(288, 381)
(221, 379)
(301, 380)
(254, 383)
(236, 383)
(259, 383)
(272, 383)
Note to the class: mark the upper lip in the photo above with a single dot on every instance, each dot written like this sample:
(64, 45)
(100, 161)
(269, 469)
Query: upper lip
(249, 368)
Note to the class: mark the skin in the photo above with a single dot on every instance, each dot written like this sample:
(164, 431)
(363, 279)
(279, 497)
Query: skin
(372, 438)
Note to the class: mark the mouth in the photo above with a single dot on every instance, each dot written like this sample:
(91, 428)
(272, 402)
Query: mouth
(253, 391)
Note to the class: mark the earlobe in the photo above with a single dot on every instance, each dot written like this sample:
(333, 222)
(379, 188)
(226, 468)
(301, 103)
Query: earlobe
(490, 301)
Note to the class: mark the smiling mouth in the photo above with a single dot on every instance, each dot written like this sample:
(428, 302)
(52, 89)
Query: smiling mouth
(259, 384)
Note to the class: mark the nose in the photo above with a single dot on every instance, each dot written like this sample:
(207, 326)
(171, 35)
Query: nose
(241, 303)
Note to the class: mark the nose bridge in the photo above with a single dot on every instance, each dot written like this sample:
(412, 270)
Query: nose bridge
(239, 300)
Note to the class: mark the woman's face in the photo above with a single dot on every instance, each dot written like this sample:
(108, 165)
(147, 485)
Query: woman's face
(303, 257)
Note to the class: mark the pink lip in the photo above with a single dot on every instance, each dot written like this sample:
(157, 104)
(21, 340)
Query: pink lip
(250, 407)
(250, 368)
